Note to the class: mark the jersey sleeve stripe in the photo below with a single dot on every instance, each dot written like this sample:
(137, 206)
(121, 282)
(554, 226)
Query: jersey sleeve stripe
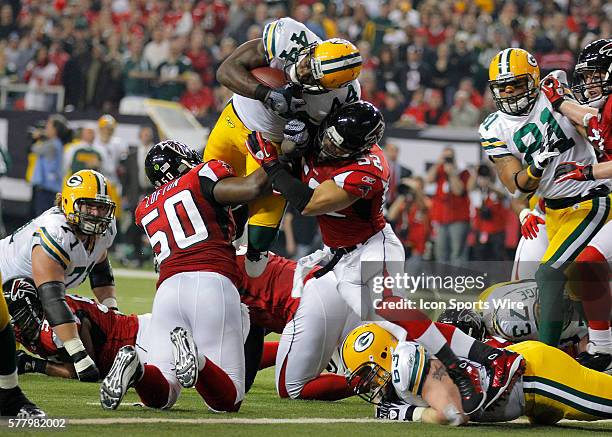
(268, 40)
(46, 238)
(51, 251)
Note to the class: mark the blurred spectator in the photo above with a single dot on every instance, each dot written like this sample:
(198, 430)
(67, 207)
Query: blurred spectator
(369, 91)
(409, 214)
(48, 149)
(414, 115)
(137, 72)
(377, 26)
(112, 149)
(5, 164)
(302, 15)
(435, 114)
(39, 74)
(157, 50)
(7, 21)
(413, 74)
(397, 172)
(387, 73)
(450, 208)
(467, 84)
(7, 70)
(171, 73)
(440, 69)
(463, 113)
(80, 153)
(301, 234)
(197, 98)
(392, 107)
(490, 213)
(201, 59)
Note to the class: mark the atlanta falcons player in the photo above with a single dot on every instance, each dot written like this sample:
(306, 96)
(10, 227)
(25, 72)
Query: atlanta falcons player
(102, 331)
(344, 177)
(196, 317)
(312, 327)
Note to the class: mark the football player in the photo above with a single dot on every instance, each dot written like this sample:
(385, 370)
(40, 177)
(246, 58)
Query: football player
(196, 318)
(524, 138)
(58, 250)
(593, 274)
(407, 384)
(343, 182)
(322, 76)
(534, 238)
(12, 400)
(102, 331)
(311, 328)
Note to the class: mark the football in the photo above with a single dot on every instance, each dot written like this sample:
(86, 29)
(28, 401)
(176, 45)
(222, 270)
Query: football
(268, 76)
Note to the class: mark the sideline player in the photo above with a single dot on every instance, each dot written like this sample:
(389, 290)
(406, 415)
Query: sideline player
(311, 328)
(412, 386)
(523, 138)
(58, 250)
(343, 183)
(322, 76)
(102, 331)
(12, 400)
(196, 318)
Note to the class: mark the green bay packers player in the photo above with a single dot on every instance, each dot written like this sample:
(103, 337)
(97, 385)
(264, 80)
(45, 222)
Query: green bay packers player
(527, 139)
(12, 400)
(322, 76)
(58, 250)
(409, 385)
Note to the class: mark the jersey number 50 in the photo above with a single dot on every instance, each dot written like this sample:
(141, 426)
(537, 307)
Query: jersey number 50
(183, 241)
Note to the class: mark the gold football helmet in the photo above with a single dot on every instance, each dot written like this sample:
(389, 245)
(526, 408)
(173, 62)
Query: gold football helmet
(515, 73)
(366, 354)
(333, 64)
(86, 203)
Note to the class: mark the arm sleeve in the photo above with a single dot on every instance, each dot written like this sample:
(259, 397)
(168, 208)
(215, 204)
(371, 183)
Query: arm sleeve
(359, 183)
(212, 172)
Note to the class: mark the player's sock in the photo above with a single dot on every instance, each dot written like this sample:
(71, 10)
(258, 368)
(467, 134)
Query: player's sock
(551, 283)
(216, 388)
(268, 357)
(153, 388)
(261, 237)
(8, 364)
(593, 282)
(327, 387)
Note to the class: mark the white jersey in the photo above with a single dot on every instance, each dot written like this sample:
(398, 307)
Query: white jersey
(282, 41)
(522, 136)
(519, 322)
(51, 232)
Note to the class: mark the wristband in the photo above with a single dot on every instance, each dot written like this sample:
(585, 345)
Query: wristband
(83, 364)
(261, 92)
(523, 214)
(587, 118)
(521, 189)
(74, 346)
(110, 302)
(531, 175)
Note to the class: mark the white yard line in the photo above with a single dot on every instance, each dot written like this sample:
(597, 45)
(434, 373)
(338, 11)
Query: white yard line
(132, 273)
(261, 421)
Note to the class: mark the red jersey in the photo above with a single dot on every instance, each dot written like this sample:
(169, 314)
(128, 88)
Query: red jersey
(110, 332)
(414, 228)
(188, 230)
(447, 207)
(599, 131)
(368, 178)
(269, 295)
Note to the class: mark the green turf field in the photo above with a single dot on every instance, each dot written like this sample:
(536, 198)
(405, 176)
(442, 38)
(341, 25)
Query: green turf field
(262, 412)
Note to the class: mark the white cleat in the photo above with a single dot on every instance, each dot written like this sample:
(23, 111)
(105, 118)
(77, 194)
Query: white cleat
(255, 263)
(125, 372)
(185, 354)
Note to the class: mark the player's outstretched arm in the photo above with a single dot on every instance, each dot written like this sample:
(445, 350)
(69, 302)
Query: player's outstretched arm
(234, 72)
(102, 282)
(238, 190)
(48, 276)
(514, 177)
(328, 197)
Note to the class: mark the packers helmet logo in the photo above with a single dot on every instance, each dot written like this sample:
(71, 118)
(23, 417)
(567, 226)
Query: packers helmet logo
(363, 341)
(74, 181)
(532, 60)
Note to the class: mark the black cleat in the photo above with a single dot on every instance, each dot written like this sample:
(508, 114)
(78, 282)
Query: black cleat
(596, 358)
(14, 403)
(467, 380)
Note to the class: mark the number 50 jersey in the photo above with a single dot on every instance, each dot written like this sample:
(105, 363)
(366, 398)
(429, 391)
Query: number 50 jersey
(188, 230)
(523, 135)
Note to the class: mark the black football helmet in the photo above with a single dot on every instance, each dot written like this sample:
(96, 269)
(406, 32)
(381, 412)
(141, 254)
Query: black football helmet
(350, 131)
(25, 308)
(593, 73)
(467, 320)
(168, 160)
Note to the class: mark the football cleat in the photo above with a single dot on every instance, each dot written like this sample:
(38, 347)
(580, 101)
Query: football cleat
(467, 380)
(125, 372)
(14, 403)
(597, 358)
(504, 368)
(255, 263)
(185, 357)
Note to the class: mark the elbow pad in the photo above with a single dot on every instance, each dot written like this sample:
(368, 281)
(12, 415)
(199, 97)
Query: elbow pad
(101, 275)
(53, 298)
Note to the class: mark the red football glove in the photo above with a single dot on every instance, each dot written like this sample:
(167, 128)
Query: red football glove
(262, 150)
(553, 90)
(529, 223)
(572, 170)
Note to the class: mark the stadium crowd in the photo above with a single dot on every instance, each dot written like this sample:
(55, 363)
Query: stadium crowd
(425, 63)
